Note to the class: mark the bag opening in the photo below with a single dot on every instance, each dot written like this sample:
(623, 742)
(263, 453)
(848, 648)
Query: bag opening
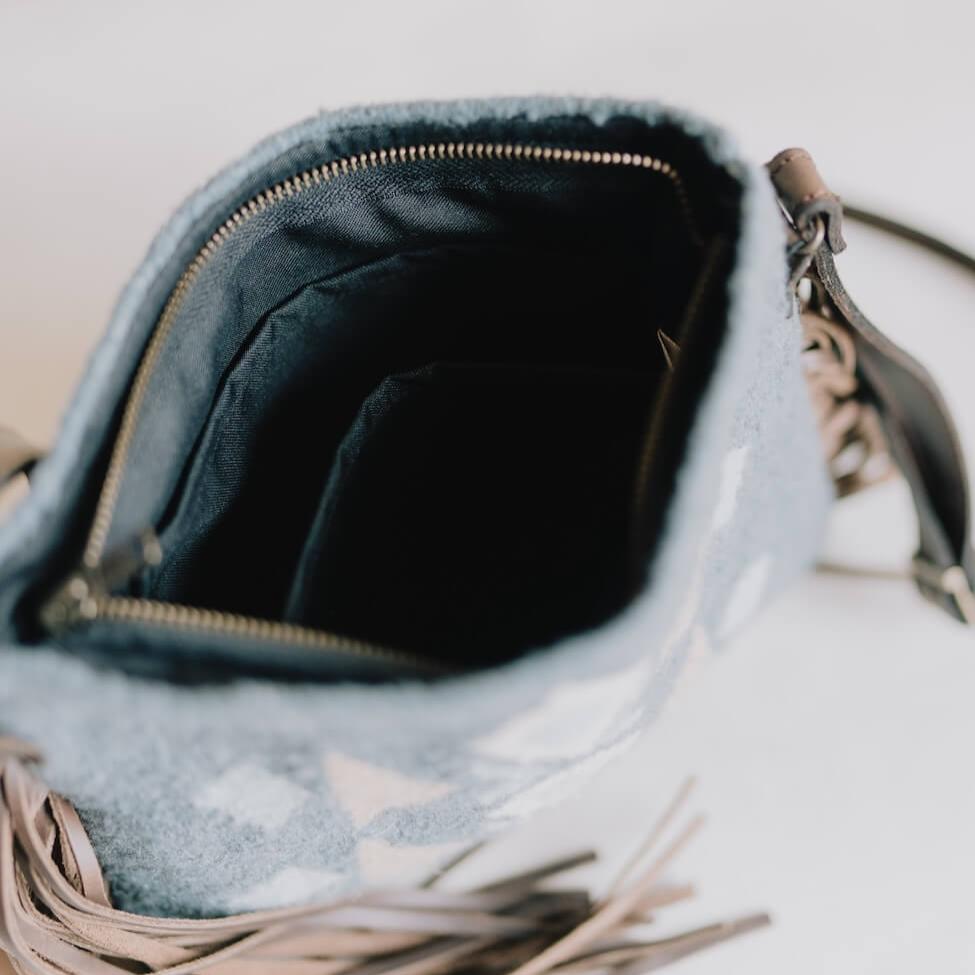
(416, 398)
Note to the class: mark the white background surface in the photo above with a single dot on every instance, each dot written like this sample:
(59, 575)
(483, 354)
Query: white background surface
(834, 739)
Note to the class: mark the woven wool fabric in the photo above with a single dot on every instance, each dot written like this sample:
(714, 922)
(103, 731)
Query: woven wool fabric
(254, 794)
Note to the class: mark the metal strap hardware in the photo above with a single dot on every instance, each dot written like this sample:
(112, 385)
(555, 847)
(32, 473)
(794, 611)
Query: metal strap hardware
(951, 582)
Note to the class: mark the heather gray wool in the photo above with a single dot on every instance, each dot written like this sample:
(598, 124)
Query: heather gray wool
(209, 799)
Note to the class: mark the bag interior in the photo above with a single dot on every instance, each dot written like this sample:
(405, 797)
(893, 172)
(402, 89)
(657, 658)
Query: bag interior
(426, 405)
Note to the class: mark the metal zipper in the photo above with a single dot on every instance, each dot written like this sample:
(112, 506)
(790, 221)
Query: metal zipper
(86, 595)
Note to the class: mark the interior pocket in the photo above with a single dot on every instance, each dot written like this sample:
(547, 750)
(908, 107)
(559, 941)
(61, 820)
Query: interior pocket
(480, 509)
(239, 516)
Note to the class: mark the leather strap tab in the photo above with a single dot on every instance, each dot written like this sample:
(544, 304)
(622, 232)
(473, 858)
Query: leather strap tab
(806, 197)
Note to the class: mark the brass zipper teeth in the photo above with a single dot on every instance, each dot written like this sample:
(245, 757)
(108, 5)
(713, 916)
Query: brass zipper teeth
(293, 187)
(125, 608)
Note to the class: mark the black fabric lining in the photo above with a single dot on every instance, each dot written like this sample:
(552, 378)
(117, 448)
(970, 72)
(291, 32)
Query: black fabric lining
(360, 220)
(238, 523)
(243, 484)
(435, 448)
(479, 509)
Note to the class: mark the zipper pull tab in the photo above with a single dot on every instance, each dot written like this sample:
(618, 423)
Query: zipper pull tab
(78, 598)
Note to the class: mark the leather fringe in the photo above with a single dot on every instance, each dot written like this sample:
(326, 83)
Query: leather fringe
(56, 916)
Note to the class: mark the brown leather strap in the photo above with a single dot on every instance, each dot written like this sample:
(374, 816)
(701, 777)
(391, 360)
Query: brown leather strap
(911, 234)
(915, 419)
(923, 440)
(17, 456)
